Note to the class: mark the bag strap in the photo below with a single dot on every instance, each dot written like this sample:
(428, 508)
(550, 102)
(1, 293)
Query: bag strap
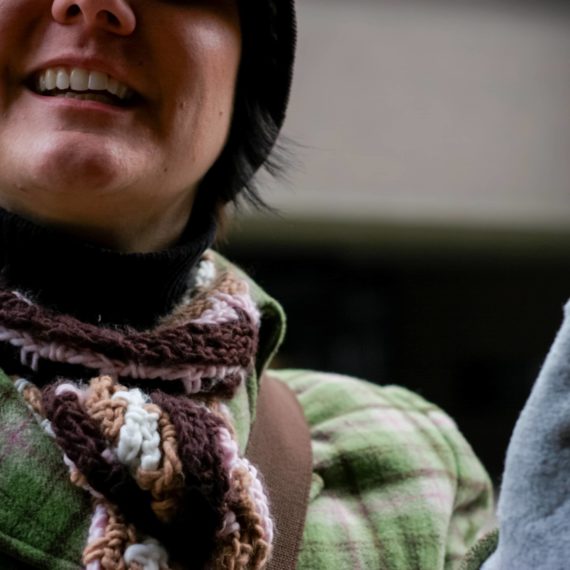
(280, 447)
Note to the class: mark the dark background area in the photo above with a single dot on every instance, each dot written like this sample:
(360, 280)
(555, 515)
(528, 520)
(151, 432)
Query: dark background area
(466, 329)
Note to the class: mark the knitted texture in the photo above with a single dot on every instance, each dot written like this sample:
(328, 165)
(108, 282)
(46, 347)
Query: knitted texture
(209, 348)
(168, 485)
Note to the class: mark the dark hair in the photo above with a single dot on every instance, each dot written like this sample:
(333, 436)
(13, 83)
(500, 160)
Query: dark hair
(262, 93)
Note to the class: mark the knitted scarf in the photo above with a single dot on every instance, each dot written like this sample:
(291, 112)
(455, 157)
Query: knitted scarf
(169, 487)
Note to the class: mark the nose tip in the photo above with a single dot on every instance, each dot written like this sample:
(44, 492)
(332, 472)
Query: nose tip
(115, 16)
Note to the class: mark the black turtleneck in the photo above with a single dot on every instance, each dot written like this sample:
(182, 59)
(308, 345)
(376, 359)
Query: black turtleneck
(94, 284)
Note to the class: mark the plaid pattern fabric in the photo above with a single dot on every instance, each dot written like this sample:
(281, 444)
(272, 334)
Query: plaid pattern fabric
(395, 486)
(43, 517)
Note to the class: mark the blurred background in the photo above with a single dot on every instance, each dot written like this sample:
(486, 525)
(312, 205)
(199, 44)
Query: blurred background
(424, 228)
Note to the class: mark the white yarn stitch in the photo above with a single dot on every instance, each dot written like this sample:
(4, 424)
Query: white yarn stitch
(139, 439)
(21, 384)
(230, 525)
(20, 296)
(150, 555)
(205, 274)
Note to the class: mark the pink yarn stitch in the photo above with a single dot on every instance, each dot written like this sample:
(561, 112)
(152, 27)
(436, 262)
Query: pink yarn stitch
(260, 499)
(223, 309)
(68, 387)
(243, 302)
(231, 461)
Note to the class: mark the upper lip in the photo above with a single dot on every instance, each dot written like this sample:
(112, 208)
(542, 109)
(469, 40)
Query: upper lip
(89, 64)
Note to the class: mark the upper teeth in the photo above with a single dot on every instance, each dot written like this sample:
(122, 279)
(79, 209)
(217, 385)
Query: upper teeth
(79, 79)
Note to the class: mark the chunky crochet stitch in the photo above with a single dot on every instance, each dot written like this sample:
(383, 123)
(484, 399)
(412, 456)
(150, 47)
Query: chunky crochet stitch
(168, 484)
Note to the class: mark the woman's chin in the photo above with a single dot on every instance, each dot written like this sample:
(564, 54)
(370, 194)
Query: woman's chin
(68, 172)
(65, 183)
(94, 185)
(79, 163)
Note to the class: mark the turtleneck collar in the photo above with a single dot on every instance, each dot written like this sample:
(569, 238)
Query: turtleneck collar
(97, 285)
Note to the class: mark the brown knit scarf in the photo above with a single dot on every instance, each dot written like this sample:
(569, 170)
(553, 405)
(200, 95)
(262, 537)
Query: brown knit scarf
(170, 488)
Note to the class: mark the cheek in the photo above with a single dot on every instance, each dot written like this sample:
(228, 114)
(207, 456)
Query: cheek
(17, 18)
(20, 25)
(215, 54)
(205, 103)
(221, 72)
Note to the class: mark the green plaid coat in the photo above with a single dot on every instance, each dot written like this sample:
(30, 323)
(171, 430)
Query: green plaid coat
(394, 485)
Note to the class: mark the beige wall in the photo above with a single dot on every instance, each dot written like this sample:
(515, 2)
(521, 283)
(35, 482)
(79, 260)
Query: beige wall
(430, 113)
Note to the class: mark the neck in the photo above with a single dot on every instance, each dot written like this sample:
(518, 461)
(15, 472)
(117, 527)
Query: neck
(94, 284)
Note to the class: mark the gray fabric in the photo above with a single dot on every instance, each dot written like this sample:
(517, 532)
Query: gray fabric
(534, 505)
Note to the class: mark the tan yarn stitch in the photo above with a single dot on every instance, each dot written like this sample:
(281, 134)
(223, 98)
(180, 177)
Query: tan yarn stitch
(200, 303)
(77, 478)
(245, 549)
(110, 547)
(227, 283)
(165, 483)
(108, 412)
(251, 522)
(199, 306)
(33, 397)
(230, 284)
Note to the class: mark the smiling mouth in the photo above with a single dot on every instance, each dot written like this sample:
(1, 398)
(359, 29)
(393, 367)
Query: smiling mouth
(82, 84)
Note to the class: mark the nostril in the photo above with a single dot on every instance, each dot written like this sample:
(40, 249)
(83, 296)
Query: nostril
(73, 10)
(112, 19)
(115, 16)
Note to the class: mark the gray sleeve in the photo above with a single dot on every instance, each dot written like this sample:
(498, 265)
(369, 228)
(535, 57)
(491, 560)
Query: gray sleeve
(534, 504)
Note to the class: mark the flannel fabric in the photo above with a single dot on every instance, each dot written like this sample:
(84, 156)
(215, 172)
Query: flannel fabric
(44, 519)
(395, 486)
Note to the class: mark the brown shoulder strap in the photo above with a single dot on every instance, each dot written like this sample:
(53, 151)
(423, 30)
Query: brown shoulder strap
(280, 447)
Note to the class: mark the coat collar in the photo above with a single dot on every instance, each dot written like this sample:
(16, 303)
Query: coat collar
(271, 334)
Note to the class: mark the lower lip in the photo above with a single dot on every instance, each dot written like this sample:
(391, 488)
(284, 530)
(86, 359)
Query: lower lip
(84, 105)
